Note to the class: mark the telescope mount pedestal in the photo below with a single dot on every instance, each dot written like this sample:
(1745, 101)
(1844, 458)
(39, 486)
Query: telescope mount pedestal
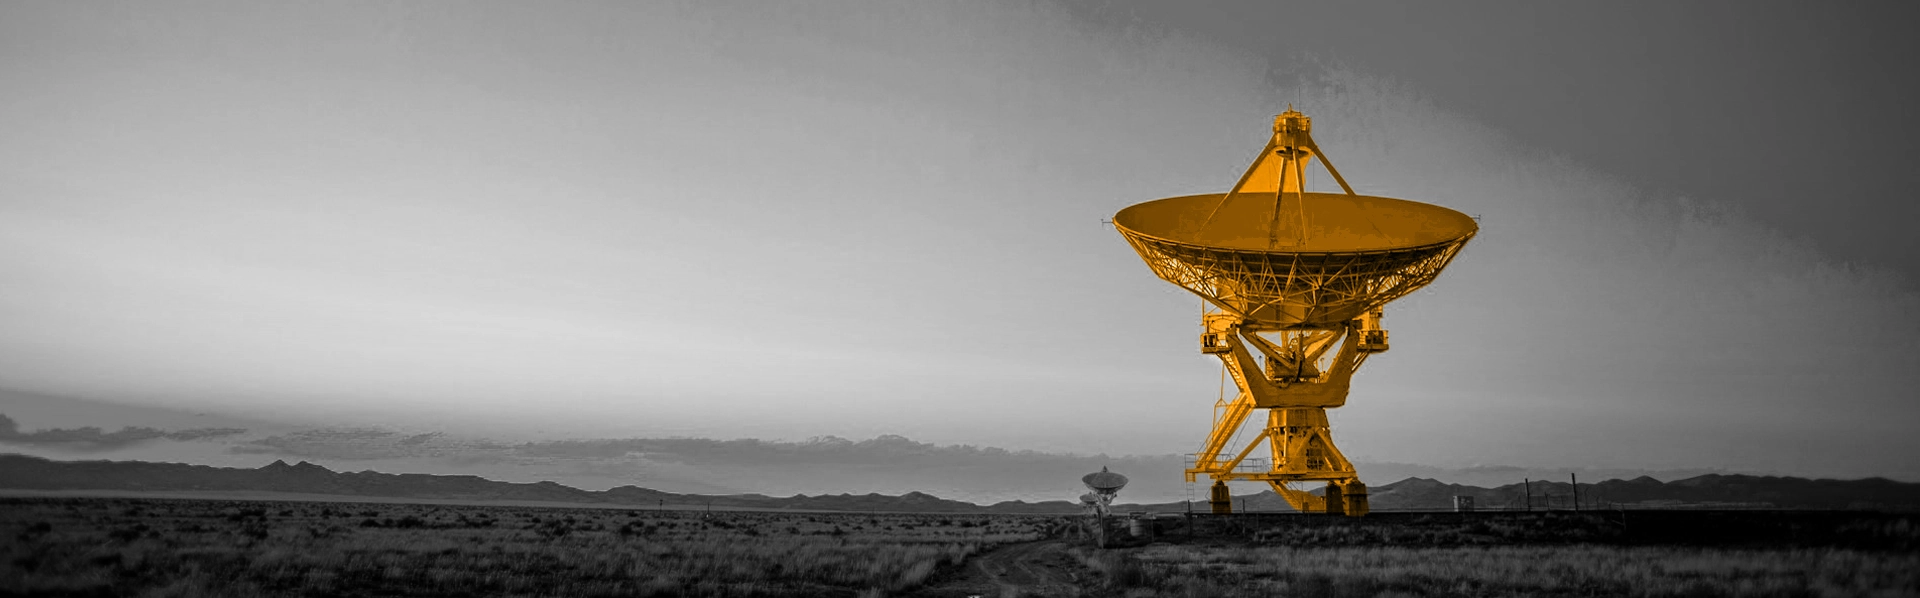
(1295, 393)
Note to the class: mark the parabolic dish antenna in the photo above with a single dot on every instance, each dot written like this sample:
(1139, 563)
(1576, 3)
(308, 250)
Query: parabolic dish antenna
(1293, 274)
(1250, 253)
(1103, 482)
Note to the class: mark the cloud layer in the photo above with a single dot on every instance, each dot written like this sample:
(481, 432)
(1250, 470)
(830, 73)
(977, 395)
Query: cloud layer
(1594, 322)
(94, 439)
(886, 464)
(829, 218)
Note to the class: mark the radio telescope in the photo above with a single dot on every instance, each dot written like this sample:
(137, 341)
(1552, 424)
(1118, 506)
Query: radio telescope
(1292, 274)
(1105, 485)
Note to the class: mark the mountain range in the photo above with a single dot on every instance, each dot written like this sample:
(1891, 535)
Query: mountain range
(23, 472)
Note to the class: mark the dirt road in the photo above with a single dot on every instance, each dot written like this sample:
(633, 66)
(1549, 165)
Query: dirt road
(1029, 569)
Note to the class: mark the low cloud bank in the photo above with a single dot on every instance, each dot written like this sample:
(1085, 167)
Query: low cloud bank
(90, 438)
(823, 465)
(887, 464)
(363, 444)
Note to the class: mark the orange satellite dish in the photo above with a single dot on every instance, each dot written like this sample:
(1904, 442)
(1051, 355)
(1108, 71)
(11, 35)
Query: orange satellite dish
(1293, 274)
(1283, 257)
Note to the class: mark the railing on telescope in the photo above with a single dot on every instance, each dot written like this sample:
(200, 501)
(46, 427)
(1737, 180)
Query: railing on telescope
(1247, 465)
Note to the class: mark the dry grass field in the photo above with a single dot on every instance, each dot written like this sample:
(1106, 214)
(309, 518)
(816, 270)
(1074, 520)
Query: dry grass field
(1568, 571)
(1651, 554)
(177, 547)
(126, 547)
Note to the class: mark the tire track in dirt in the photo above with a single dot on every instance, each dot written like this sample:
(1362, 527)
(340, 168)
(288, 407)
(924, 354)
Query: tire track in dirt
(1029, 569)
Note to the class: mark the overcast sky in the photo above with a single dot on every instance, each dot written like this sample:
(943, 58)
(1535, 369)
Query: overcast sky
(780, 221)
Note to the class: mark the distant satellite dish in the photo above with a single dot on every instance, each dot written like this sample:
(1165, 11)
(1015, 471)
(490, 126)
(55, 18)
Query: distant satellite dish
(1104, 483)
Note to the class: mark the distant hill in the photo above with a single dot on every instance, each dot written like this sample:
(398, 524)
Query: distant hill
(35, 473)
(1712, 490)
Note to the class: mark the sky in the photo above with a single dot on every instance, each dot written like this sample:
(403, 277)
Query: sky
(533, 222)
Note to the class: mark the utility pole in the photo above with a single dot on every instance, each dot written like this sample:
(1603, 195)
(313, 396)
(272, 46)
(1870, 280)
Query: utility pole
(1529, 485)
(1576, 491)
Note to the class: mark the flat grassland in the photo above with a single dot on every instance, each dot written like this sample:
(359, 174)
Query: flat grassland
(139, 547)
(1702, 554)
(1575, 570)
(174, 547)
